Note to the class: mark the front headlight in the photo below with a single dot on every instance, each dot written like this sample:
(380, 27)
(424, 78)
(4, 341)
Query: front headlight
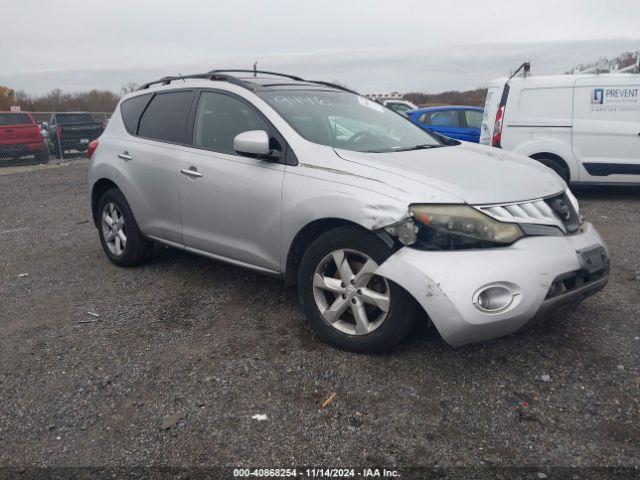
(460, 226)
(573, 200)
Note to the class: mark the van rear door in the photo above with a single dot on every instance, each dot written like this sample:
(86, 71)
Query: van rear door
(494, 92)
(606, 128)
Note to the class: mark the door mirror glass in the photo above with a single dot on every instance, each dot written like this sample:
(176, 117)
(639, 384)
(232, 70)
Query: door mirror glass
(252, 142)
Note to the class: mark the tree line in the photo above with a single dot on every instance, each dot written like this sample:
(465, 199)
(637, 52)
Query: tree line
(58, 101)
(470, 97)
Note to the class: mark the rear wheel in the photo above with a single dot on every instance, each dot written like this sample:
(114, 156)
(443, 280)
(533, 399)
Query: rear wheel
(345, 302)
(557, 166)
(119, 234)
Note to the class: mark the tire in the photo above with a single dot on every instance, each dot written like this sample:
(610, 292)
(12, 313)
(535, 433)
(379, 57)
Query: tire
(556, 166)
(42, 157)
(135, 249)
(385, 328)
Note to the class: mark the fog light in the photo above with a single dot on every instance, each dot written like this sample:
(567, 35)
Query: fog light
(493, 298)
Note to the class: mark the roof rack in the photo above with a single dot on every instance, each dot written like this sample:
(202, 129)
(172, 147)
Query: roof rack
(264, 72)
(223, 75)
(333, 85)
(207, 76)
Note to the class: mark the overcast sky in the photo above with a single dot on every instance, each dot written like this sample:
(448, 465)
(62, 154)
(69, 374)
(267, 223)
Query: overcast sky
(372, 46)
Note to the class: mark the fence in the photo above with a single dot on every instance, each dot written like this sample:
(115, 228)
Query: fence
(28, 138)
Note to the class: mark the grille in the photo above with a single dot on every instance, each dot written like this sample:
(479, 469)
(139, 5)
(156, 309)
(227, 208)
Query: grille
(557, 211)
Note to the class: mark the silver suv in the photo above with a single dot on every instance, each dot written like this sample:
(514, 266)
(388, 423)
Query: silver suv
(371, 217)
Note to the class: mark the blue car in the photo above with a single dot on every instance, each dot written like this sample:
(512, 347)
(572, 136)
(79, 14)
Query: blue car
(459, 122)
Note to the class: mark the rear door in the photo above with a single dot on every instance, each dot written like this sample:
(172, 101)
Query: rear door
(491, 103)
(472, 121)
(231, 203)
(150, 159)
(606, 128)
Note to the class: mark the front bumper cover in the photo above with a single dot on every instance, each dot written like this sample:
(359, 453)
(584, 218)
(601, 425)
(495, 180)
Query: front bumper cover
(445, 282)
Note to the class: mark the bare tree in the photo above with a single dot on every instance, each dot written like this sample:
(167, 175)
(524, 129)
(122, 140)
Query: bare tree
(128, 88)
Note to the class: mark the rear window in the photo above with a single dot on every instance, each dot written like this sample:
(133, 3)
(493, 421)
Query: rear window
(132, 110)
(15, 119)
(166, 117)
(74, 118)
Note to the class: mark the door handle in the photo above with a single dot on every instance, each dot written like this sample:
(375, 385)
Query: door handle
(125, 156)
(191, 172)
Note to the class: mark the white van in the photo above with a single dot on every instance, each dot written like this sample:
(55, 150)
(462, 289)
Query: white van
(586, 127)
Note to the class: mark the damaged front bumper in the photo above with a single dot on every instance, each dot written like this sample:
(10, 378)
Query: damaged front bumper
(544, 275)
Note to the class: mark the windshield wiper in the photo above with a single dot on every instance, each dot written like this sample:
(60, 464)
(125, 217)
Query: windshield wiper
(406, 149)
(415, 147)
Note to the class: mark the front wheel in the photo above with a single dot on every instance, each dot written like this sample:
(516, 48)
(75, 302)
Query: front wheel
(345, 302)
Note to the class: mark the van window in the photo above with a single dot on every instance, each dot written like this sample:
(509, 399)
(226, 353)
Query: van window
(166, 117)
(131, 110)
(543, 103)
(220, 118)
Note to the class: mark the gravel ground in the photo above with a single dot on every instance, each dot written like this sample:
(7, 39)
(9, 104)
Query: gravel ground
(183, 351)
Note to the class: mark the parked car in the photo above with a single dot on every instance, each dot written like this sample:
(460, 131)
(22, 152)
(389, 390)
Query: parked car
(20, 136)
(72, 131)
(585, 127)
(399, 106)
(373, 218)
(459, 122)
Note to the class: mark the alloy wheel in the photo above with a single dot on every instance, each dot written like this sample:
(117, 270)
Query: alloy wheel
(348, 294)
(113, 229)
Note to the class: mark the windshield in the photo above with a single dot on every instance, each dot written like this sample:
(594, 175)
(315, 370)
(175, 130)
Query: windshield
(74, 118)
(345, 120)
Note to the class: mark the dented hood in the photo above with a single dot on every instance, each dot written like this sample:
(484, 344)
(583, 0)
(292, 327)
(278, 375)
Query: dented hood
(476, 174)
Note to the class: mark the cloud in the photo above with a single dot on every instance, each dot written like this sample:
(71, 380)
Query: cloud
(367, 70)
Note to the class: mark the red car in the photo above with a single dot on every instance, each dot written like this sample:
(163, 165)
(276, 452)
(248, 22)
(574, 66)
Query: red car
(21, 136)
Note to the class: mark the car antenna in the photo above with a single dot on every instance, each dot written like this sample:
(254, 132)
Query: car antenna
(181, 77)
(255, 68)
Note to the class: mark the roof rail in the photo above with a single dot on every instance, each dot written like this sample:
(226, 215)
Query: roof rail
(264, 72)
(333, 85)
(207, 76)
(223, 75)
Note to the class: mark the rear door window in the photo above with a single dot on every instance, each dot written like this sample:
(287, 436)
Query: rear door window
(131, 111)
(473, 118)
(166, 117)
(444, 118)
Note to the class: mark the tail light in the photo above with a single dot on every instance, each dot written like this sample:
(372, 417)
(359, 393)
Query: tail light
(497, 127)
(93, 145)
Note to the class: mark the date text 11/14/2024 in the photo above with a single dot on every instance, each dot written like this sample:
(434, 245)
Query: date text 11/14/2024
(316, 472)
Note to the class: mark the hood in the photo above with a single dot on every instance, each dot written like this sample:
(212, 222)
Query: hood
(474, 173)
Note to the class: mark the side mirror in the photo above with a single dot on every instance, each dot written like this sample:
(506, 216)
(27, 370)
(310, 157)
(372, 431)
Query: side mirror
(44, 125)
(252, 143)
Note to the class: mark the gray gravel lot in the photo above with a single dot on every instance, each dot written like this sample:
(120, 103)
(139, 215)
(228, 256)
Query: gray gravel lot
(186, 350)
